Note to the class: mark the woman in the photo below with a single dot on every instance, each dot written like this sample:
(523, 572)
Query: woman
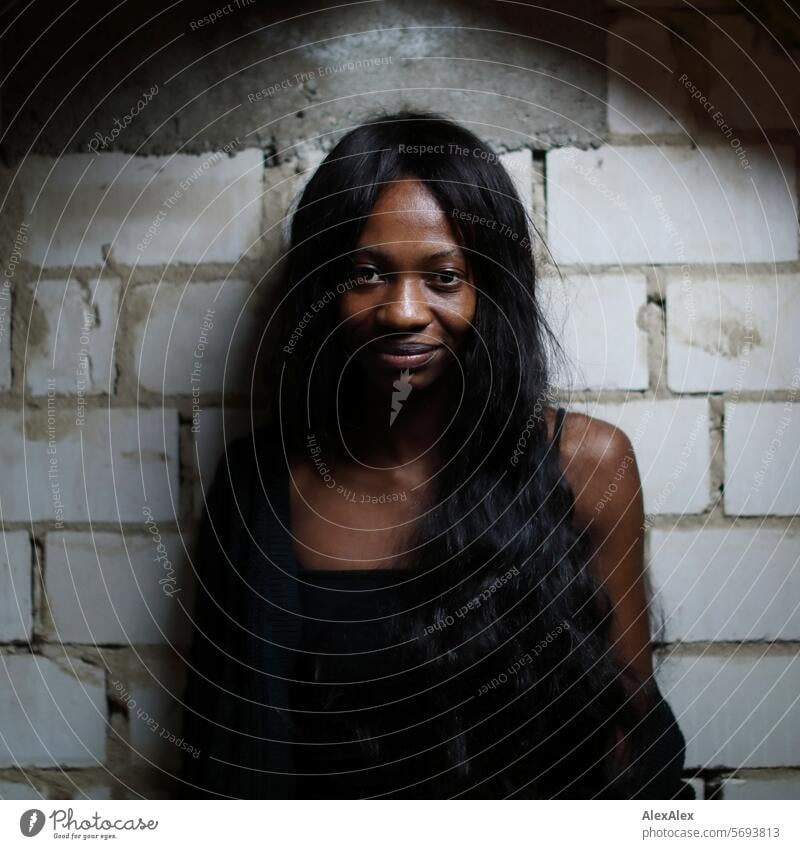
(419, 581)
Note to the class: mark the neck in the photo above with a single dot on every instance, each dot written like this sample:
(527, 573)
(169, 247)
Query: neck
(394, 430)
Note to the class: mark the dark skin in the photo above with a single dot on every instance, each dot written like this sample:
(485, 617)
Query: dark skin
(415, 286)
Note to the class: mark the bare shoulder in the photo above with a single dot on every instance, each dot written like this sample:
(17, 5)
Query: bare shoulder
(599, 463)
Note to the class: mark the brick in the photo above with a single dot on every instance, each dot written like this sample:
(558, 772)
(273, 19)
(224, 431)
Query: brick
(699, 787)
(48, 716)
(540, 213)
(519, 164)
(671, 440)
(92, 791)
(108, 589)
(151, 210)
(72, 336)
(101, 479)
(595, 318)
(181, 347)
(785, 787)
(283, 186)
(762, 467)
(5, 335)
(643, 96)
(18, 790)
(732, 334)
(735, 711)
(16, 602)
(727, 583)
(669, 204)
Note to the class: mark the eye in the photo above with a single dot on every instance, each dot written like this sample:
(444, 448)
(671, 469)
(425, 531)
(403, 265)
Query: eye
(364, 275)
(448, 277)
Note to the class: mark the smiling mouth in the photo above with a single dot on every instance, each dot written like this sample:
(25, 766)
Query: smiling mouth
(406, 354)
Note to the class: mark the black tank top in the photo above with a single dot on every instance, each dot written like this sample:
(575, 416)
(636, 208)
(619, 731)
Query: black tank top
(355, 689)
(362, 723)
(359, 707)
(261, 624)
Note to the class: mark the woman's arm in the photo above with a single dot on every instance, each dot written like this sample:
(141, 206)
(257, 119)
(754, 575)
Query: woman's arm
(600, 466)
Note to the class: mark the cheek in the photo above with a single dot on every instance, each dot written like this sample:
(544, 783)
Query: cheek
(350, 310)
(462, 314)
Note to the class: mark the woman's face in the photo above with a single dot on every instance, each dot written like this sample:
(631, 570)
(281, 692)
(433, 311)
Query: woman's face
(410, 302)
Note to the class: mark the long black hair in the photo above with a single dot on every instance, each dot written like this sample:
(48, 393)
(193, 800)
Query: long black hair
(525, 692)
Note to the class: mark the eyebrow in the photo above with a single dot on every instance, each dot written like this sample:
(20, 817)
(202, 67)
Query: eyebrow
(379, 254)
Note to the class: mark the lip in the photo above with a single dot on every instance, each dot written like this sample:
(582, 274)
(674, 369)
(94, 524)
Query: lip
(406, 355)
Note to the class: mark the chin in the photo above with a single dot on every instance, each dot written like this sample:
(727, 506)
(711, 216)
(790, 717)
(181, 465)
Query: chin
(418, 379)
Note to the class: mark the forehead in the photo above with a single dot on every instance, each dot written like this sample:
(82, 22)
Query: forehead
(407, 211)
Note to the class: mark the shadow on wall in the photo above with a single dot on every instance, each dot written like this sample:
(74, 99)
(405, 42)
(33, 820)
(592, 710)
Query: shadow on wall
(241, 73)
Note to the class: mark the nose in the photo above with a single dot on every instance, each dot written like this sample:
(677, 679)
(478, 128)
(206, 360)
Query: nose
(405, 306)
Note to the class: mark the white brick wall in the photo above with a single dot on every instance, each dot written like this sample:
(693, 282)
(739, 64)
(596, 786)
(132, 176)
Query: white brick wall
(671, 441)
(92, 462)
(762, 466)
(727, 584)
(51, 714)
(733, 333)
(16, 600)
(283, 185)
(5, 338)
(785, 786)
(736, 710)
(93, 791)
(519, 165)
(29, 790)
(75, 328)
(151, 210)
(596, 319)
(18, 790)
(156, 722)
(197, 337)
(670, 204)
(651, 215)
(108, 589)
